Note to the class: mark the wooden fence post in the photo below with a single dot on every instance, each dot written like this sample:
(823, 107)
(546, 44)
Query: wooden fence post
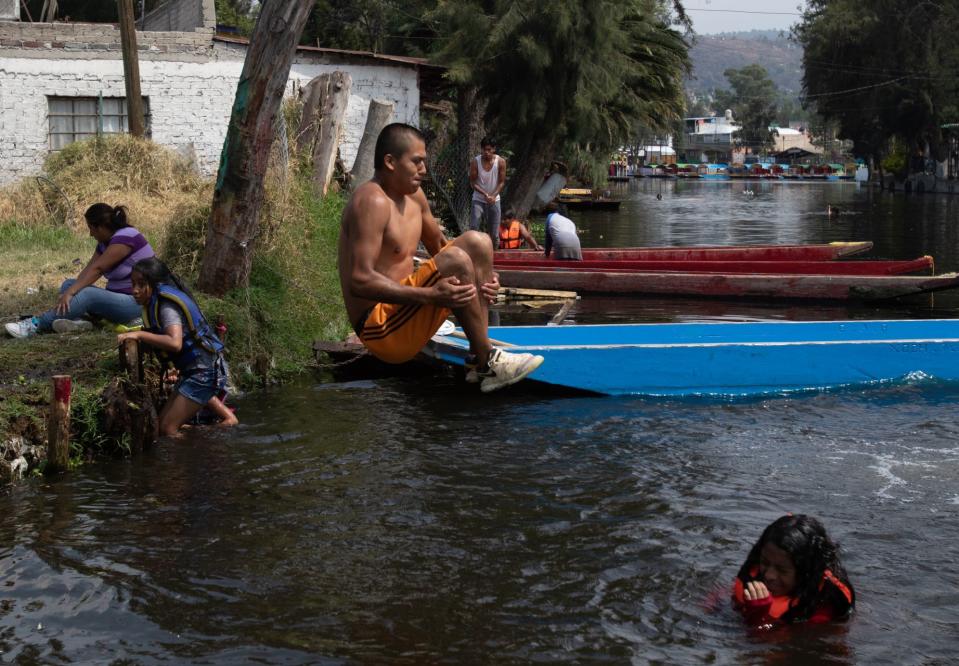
(130, 361)
(377, 117)
(58, 425)
(334, 95)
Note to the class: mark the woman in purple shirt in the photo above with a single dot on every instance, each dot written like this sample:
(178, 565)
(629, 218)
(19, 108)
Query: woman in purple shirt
(119, 246)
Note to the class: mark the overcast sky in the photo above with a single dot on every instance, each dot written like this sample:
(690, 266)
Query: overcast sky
(710, 16)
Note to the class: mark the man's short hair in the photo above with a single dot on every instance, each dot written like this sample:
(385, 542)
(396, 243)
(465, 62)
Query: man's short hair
(394, 139)
(487, 141)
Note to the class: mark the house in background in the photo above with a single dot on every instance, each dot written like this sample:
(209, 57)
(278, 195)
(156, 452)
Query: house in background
(63, 81)
(710, 140)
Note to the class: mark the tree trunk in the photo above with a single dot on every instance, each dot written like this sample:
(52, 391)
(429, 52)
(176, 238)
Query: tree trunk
(528, 174)
(334, 95)
(471, 109)
(306, 131)
(131, 69)
(238, 195)
(378, 117)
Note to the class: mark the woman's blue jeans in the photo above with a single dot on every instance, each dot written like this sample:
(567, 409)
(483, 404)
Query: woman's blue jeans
(95, 302)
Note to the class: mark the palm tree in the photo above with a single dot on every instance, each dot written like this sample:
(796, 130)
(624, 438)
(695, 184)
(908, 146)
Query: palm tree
(566, 75)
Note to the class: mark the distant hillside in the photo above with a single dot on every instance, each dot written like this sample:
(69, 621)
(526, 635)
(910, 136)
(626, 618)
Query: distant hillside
(714, 54)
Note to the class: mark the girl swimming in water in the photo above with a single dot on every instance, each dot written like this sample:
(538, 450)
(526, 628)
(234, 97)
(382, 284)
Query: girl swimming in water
(793, 574)
(174, 325)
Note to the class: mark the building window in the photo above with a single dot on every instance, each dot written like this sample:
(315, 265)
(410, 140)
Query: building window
(73, 118)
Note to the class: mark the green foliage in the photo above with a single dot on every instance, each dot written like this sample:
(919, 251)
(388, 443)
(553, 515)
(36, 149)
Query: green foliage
(752, 99)
(237, 13)
(86, 435)
(14, 236)
(380, 26)
(896, 161)
(882, 69)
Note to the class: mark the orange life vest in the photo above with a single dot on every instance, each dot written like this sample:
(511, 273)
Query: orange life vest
(510, 237)
(783, 604)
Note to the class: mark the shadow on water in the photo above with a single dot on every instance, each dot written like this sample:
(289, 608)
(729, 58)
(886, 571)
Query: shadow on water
(415, 520)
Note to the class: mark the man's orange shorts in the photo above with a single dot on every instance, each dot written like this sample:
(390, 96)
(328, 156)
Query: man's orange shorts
(396, 333)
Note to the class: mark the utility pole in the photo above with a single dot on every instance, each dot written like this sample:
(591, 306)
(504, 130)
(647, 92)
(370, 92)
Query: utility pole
(131, 68)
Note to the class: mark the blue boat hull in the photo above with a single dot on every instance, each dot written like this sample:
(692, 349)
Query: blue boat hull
(728, 359)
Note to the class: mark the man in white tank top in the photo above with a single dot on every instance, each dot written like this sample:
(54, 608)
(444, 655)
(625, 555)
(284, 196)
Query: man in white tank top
(487, 178)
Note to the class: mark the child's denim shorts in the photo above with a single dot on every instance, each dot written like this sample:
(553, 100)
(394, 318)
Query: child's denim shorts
(201, 384)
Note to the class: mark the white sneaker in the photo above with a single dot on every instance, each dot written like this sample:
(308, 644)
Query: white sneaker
(472, 374)
(72, 325)
(25, 328)
(506, 368)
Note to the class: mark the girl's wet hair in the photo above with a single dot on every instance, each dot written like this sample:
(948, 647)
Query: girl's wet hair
(155, 272)
(113, 218)
(811, 550)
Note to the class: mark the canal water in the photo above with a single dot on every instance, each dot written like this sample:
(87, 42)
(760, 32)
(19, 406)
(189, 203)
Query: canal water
(413, 520)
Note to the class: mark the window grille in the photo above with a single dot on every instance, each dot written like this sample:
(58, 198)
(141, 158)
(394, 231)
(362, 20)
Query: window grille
(74, 118)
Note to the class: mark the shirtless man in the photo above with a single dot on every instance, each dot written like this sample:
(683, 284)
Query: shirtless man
(395, 310)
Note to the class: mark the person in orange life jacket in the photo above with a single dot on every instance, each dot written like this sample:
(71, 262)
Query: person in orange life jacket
(174, 325)
(513, 233)
(793, 574)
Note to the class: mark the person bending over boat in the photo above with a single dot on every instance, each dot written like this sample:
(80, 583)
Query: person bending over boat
(793, 574)
(561, 235)
(175, 327)
(513, 233)
(119, 246)
(396, 310)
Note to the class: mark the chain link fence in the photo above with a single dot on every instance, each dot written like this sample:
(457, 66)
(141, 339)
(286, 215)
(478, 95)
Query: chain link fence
(448, 187)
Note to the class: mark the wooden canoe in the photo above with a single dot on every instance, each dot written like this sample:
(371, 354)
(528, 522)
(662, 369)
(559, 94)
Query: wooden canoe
(865, 267)
(744, 285)
(821, 252)
(727, 358)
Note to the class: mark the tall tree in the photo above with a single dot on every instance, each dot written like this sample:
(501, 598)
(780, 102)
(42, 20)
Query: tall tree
(752, 99)
(883, 70)
(238, 194)
(380, 26)
(559, 75)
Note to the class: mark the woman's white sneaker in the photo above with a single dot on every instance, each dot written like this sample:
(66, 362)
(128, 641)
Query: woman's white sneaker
(25, 328)
(72, 325)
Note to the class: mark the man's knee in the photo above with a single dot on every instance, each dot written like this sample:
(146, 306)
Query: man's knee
(476, 244)
(66, 284)
(455, 260)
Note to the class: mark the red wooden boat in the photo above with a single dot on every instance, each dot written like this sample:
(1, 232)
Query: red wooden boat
(868, 267)
(822, 252)
(752, 285)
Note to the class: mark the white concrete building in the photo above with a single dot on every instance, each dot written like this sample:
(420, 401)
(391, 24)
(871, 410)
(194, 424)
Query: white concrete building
(63, 81)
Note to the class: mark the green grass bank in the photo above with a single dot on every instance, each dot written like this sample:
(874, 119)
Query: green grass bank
(293, 296)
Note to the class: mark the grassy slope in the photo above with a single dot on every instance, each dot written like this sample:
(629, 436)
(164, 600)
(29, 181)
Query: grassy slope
(293, 296)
